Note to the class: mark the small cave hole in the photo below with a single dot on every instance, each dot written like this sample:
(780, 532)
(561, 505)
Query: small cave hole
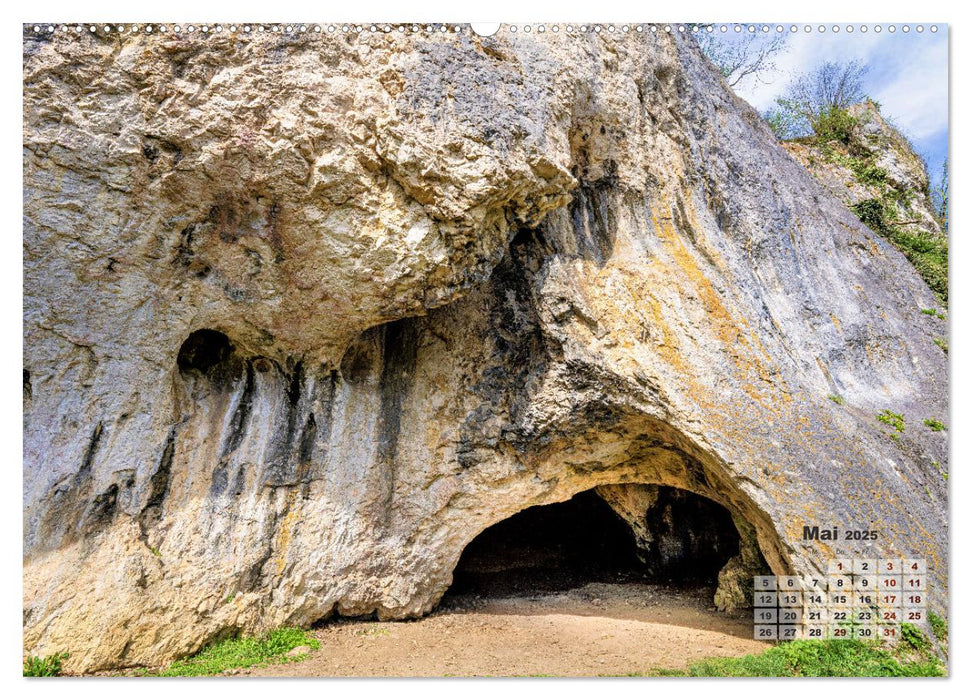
(203, 350)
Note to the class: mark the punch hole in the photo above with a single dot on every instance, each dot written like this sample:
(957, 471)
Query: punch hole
(485, 28)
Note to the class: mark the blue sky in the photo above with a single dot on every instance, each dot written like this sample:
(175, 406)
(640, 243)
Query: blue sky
(908, 76)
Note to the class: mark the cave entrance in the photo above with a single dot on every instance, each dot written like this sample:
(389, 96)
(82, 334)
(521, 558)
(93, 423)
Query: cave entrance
(658, 535)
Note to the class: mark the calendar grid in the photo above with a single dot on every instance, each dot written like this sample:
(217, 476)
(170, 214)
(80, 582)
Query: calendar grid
(856, 599)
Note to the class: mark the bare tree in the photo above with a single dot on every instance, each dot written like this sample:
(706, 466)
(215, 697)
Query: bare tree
(740, 57)
(832, 86)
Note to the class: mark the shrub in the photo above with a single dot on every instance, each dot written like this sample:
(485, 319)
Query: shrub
(44, 666)
(868, 173)
(834, 124)
(894, 420)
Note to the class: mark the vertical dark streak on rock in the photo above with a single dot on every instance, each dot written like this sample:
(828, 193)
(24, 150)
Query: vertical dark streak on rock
(158, 486)
(220, 480)
(280, 469)
(519, 353)
(305, 454)
(593, 218)
(84, 473)
(308, 437)
(400, 354)
(237, 426)
(296, 380)
(327, 408)
(101, 510)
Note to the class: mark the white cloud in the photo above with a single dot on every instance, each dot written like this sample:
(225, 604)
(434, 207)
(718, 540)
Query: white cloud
(908, 74)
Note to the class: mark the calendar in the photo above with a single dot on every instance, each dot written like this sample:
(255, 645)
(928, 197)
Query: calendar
(856, 599)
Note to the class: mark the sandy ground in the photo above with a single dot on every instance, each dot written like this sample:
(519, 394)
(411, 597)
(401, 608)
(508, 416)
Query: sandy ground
(599, 629)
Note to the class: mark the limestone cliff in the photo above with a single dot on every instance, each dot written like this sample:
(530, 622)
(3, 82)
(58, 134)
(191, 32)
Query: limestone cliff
(304, 314)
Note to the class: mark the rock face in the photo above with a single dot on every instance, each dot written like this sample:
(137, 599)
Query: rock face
(875, 171)
(895, 168)
(304, 314)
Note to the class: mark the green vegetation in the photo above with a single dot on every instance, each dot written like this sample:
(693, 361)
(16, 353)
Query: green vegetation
(941, 343)
(928, 254)
(834, 124)
(44, 666)
(939, 468)
(894, 420)
(935, 313)
(938, 626)
(940, 198)
(837, 399)
(816, 112)
(934, 425)
(914, 637)
(816, 103)
(244, 652)
(831, 657)
(868, 173)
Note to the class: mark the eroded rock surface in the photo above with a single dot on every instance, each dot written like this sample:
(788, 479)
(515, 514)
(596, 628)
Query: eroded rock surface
(304, 314)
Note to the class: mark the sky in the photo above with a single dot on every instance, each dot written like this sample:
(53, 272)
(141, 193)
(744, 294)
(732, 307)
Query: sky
(908, 76)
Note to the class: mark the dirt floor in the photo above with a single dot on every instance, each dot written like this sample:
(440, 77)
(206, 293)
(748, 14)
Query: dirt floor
(598, 629)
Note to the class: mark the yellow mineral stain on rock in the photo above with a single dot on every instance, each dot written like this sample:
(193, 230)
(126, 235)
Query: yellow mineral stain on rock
(285, 532)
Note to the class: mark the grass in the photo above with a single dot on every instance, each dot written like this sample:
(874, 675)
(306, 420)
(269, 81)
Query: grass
(941, 343)
(934, 425)
(826, 658)
(44, 666)
(935, 313)
(837, 399)
(894, 420)
(243, 652)
(939, 468)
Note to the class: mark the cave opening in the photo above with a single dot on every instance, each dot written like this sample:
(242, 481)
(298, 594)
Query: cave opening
(680, 539)
(203, 350)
